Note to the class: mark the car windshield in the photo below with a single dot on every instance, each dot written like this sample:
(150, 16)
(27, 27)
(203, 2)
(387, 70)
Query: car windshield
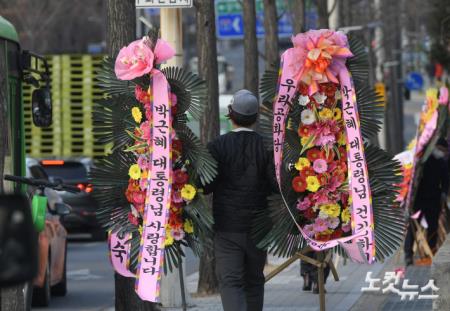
(69, 172)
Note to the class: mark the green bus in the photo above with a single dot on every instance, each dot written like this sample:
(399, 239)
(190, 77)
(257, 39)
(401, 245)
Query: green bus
(18, 66)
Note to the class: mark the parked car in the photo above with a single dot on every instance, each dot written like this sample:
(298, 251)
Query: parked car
(74, 172)
(52, 245)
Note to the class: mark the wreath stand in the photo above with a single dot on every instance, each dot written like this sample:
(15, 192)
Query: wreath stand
(323, 260)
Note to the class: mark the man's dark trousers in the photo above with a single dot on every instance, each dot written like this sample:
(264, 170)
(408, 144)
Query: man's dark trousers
(239, 268)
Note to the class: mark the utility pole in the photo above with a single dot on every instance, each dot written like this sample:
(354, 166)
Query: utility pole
(172, 32)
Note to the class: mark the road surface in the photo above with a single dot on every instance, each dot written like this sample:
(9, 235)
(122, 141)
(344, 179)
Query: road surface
(90, 278)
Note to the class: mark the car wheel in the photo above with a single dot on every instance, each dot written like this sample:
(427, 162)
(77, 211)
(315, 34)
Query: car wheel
(41, 295)
(60, 289)
(99, 234)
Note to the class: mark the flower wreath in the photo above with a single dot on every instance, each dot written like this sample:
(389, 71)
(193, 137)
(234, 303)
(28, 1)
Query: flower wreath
(320, 116)
(146, 187)
(432, 125)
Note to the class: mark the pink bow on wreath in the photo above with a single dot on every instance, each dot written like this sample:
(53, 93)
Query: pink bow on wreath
(137, 59)
(318, 57)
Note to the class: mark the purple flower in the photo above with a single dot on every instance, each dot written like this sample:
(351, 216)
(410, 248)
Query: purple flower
(320, 166)
(325, 140)
(333, 222)
(304, 204)
(320, 225)
(347, 227)
(309, 230)
(143, 162)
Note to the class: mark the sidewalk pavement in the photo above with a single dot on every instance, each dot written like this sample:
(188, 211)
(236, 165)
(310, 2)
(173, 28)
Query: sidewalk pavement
(284, 291)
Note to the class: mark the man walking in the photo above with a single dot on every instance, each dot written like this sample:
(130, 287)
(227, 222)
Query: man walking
(245, 179)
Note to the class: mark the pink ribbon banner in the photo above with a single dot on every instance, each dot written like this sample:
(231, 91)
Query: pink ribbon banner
(119, 248)
(151, 255)
(360, 246)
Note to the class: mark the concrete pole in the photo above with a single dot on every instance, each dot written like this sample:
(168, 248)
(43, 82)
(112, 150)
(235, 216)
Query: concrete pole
(171, 31)
(333, 19)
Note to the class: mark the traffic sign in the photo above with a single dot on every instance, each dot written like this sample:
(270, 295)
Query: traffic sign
(163, 3)
(230, 21)
(414, 81)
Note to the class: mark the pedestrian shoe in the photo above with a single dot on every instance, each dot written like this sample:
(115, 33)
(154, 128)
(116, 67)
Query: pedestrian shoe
(409, 261)
(307, 283)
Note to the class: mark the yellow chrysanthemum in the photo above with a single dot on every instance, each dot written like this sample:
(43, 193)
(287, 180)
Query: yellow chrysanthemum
(137, 114)
(169, 238)
(326, 114)
(134, 171)
(304, 142)
(345, 216)
(312, 183)
(188, 226)
(188, 192)
(341, 140)
(302, 163)
(337, 114)
(332, 210)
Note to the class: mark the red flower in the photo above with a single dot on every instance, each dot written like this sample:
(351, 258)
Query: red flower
(323, 237)
(340, 175)
(175, 220)
(309, 213)
(177, 148)
(342, 153)
(329, 102)
(342, 165)
(328, 88)
(132, 219)
(299, 184)
(330, 157)
(323, 178)
(304, 131)
(344, 198)
(303, 88)
(307, 171)
(337, 233)
(314, 154)
(174, 110)
(180, 177)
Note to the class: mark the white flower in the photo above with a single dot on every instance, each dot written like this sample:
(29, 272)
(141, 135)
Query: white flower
(308, 117)
(323, 215)
(303, 100)
(333, 222)
(337, 95)
(320, 98)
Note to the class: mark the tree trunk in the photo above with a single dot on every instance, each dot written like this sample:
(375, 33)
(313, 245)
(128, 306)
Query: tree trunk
(394, 108)
(251, 76)
(209, 124)
(121, 24)
(298, 15)
(120, 31)
(322, 10)
(271, 37)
